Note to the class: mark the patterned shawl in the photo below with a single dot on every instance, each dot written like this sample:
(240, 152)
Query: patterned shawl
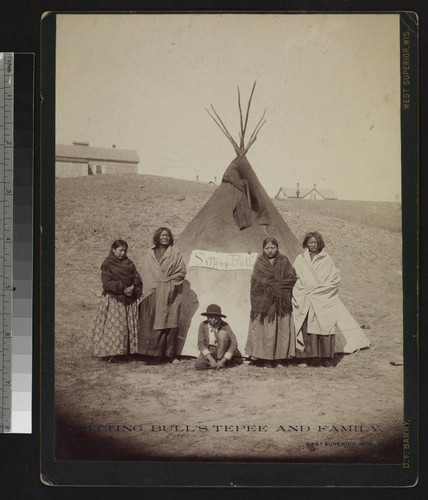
(117, 275)
(271, 287)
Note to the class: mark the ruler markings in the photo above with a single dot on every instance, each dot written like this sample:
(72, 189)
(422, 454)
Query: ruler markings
(6, 235)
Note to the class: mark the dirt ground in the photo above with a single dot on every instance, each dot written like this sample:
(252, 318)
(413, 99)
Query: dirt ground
(352, 412)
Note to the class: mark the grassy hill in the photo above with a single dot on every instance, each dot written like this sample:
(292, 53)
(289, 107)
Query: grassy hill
(368, 213)
(364, 240)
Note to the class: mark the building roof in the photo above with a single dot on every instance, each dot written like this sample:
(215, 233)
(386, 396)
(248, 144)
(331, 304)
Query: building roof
(328, 194)
(291, 192)
(89, 153)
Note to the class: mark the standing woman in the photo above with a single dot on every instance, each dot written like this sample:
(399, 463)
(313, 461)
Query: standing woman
(164, 272)
(271, 331)
(116, 325)
(315, 297)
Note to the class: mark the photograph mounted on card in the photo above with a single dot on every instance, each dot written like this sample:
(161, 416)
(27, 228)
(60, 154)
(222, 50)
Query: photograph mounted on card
(229, 268)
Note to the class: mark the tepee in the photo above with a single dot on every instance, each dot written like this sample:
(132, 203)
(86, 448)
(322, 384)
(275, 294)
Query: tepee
(221, 243)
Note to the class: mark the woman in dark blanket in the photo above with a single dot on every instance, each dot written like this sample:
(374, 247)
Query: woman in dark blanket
(271, 333)
(116, 325)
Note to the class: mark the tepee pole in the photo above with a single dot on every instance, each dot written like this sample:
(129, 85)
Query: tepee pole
(240, 150)
(241, 121)
(223, 128)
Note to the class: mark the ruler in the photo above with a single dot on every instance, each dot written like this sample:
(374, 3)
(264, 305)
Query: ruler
(6, 236)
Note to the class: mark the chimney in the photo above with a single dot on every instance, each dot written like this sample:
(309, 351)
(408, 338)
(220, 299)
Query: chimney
(298, 190)
(315, 186)
(215, 180)
(197, 178)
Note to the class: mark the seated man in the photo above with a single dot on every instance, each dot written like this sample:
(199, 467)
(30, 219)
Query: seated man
(216, 341)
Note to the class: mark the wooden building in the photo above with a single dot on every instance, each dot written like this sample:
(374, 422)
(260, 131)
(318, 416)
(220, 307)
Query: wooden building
(80, 159)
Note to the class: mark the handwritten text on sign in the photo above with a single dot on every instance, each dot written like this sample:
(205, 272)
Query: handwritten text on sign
(223, 261)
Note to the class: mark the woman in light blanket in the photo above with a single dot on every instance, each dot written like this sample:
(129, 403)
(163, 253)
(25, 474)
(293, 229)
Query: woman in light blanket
(163, 273)
(315, 297)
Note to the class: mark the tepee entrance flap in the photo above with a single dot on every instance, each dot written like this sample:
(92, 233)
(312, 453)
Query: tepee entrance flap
(240, 174)
(220, 246)
(228, 232)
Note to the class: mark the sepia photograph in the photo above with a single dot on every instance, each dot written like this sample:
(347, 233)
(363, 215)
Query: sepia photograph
(228, 261)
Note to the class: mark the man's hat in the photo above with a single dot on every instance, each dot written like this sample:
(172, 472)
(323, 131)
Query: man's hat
(213, 310)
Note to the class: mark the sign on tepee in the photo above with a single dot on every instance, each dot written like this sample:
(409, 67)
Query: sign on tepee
(222, 242)
(220, 245)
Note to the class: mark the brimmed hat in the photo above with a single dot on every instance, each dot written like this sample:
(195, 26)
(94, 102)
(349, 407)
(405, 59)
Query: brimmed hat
(213, 310)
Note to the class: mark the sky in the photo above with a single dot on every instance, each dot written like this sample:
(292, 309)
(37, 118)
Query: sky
(330, 84)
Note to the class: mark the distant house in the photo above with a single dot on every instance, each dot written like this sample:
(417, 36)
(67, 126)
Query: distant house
(79, 159)
(306, 193)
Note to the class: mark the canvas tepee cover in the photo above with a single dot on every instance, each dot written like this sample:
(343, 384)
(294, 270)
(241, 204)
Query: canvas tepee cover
(220, 246)
(220, 252)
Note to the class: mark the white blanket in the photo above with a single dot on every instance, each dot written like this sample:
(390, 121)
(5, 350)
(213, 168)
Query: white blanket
(315, 297)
